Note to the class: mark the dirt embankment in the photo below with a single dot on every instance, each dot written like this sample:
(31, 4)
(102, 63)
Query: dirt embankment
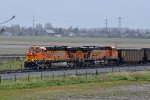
(130, 92)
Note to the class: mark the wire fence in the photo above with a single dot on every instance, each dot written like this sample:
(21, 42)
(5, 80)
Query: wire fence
(64, 73)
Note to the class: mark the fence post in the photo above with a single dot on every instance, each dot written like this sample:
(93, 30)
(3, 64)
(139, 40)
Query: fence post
(0, 79)
(86, 74)
(96, 72)
(112, 69)
(15, 78)
(76, 73)
(41, 76)
(28, 78)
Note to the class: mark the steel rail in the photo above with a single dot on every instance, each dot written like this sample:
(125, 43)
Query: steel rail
(62, 68)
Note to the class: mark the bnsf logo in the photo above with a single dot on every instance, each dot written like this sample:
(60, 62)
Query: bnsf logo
(59, 55)
(49, 55)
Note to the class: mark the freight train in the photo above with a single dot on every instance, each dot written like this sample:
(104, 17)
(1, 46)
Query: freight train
(43, 57)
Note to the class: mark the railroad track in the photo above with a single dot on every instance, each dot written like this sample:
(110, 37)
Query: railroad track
(11, 56)
(7, 75)
(61, 68)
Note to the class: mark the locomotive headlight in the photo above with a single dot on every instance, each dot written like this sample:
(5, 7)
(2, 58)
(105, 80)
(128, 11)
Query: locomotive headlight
(32, 60)
(27, 60)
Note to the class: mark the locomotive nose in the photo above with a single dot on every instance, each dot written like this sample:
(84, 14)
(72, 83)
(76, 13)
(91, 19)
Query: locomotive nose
(29, 53)
(30, 57)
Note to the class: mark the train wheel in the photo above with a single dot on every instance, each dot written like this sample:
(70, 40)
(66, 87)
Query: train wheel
(49, 65)
(74, 66)
(34, 67)
(110, 63)
(44, 67)
(25, 65)
(71, 64)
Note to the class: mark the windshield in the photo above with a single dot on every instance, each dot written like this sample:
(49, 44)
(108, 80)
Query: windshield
(37, 50)
(31, 49)
(34, 49)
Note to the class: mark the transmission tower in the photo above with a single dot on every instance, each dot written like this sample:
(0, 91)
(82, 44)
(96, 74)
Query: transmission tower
(119, 22)
(106, 23)
(33, 26)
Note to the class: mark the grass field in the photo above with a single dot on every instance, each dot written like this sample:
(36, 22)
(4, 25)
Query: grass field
(20, 44)
(71, 41)
(61, 80)
(60, 88)
(12, 64)
(87, 91)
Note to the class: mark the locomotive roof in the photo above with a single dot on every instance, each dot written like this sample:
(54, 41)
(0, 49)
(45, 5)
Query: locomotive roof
(145, 49)
(73, 48)
(95, 48)
(128, 49)
(87, 48)
(84, 48)
(51, 48)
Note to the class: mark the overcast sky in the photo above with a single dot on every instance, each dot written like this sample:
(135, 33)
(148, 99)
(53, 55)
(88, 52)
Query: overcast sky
(81, 13)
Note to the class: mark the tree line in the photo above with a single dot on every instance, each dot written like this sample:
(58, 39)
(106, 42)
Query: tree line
(49, 30)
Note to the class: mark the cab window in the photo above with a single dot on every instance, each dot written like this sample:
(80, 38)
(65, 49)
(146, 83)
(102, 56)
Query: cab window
(31, 49)
(37, 50)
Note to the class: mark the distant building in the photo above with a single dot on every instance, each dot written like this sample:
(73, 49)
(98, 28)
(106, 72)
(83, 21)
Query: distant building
(7, 34)
(58, 35)
(72, 34)
(50, 32)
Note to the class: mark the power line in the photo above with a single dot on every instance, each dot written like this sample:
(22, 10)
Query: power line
(7, 20)
(106, 23)
(33, 26)
(119, 22)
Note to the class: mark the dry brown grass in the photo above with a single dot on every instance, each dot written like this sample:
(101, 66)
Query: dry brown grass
(129, 73)
(68, 41)
(63, 92)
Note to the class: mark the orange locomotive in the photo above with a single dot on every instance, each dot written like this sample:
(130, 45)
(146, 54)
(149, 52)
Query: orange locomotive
(42, 57)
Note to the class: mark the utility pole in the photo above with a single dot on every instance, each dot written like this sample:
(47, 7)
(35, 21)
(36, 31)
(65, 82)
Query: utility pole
(1, 30)
(106, 23)
(7, 20)
(33, 27)
(119, 22)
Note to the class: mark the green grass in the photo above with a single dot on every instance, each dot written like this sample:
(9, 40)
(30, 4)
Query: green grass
(50, 88)
(12, 64)
(60, 81)
(65, 91)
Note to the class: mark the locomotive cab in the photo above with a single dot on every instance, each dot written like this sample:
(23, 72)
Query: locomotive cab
(112, 52)
(35, 53)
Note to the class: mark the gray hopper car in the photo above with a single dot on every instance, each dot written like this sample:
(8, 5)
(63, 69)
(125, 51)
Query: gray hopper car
(131, 55)
(146, 54)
